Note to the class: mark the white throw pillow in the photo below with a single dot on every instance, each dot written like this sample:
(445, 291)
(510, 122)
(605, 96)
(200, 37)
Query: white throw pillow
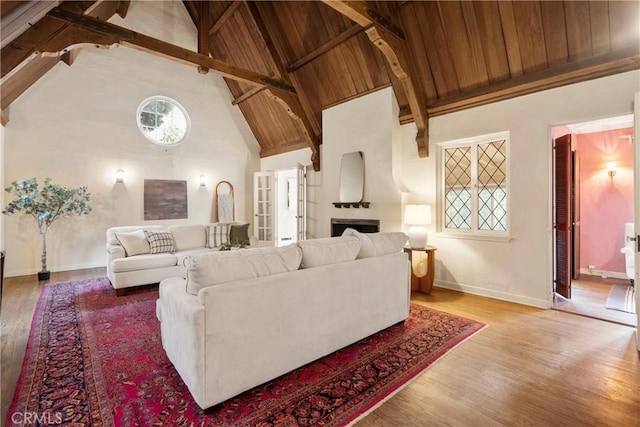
(188, 236)
(214, 268)
(376, 244)
(330, 250)
(134, 242)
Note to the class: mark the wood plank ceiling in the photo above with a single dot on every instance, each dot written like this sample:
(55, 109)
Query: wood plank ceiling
(284, 62)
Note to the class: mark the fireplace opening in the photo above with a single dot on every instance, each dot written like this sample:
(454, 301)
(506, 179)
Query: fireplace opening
(338, 225)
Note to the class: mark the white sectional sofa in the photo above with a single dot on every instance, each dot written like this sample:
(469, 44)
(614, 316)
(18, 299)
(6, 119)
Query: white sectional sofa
(245, 317)
(145, 254)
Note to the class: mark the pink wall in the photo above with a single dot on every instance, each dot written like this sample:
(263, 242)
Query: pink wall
(606, 204)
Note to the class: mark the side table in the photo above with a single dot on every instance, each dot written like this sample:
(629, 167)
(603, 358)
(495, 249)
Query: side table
(423, 267)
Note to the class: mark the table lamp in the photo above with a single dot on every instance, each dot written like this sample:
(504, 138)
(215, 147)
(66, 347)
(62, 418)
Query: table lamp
(417, 216)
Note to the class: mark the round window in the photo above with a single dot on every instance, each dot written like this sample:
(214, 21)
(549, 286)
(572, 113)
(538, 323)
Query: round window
(163, 121)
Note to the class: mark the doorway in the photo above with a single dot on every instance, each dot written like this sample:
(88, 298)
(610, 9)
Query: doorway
(280, 206)
(593, 199)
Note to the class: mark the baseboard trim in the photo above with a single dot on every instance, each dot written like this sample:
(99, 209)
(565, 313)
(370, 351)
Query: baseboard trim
(604, 274)
(30, 271)
(503, 296)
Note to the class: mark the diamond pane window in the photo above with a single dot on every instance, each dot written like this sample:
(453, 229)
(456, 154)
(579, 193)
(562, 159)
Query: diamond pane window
(492, 179)
(457, 187)
(475, 185)
(163, 121)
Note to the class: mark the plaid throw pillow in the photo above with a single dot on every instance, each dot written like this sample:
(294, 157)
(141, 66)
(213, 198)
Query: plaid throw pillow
(160, 241)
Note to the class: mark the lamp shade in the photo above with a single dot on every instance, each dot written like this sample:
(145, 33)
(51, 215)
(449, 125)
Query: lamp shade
(417, 214)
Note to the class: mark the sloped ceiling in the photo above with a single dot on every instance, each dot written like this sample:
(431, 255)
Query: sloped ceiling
(284, 62)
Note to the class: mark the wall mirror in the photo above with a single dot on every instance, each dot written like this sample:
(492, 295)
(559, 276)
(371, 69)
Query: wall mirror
(224, 202)
(352, 177)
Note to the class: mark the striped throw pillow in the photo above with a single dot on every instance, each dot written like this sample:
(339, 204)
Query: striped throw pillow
(218, 234)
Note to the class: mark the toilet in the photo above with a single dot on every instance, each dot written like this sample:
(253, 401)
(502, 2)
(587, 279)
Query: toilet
(629, 241)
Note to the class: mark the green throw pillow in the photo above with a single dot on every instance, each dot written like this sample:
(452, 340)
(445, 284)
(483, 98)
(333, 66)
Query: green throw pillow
(239, 234)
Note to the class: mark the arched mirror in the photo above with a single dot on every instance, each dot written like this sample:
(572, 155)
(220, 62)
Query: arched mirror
(352, 177)
(225, 209)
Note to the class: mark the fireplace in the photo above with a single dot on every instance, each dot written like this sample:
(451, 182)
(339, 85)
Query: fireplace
(338, 225)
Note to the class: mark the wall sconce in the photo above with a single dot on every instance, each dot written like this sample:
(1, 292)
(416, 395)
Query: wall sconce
(612, 169)
(119, 176)
(417, 216)
(203, 181)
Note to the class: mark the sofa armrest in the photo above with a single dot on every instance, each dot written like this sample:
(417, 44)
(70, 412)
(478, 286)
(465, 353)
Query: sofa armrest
(115, 251)
(182, 325)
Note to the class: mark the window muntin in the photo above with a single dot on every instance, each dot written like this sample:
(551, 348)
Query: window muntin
(163, 121)
(475, 186)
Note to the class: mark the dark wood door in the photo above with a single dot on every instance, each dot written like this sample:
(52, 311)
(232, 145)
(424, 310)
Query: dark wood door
(562, 215)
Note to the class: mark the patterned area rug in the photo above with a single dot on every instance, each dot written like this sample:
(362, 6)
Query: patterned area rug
(621, 298)
(97, 359)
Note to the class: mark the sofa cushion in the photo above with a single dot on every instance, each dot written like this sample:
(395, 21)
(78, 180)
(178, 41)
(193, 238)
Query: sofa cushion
(160, 241)
(188, 236)
(143, 262)
(133, 242)
(218, 234)
(214, 268)
(331, 250)
(376, 244)
(239, 234)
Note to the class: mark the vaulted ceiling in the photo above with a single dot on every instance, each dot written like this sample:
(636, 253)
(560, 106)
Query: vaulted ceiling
(284, 62)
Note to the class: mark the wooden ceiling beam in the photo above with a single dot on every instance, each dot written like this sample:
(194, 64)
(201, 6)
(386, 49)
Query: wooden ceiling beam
(92, 31)
(272, 151)
(293, 105)
(340, 38)
(228, 13)
(203, 26)
(19, 56)
(363, 15)
(389, 38)
(248, 95)
(4, 116)
(560, 75)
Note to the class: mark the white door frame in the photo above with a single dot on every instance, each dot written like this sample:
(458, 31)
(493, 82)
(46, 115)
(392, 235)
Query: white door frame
(636, 204)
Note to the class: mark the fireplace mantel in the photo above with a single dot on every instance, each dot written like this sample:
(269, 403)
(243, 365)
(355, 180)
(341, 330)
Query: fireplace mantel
(351, 204)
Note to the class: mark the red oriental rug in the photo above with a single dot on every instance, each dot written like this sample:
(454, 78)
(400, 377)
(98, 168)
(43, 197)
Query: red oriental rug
(94, 359)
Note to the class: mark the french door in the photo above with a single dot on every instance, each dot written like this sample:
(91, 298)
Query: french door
(263, 207)
(301, 214)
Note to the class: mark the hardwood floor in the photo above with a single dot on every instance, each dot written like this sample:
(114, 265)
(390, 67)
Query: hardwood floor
(529, 367)
(588, 298)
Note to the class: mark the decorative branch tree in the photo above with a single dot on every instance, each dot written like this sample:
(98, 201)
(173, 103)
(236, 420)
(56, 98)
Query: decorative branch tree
(46, 205)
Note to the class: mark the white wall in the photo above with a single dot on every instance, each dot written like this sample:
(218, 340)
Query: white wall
(366, 124)
(518, 270)
(77, 125)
